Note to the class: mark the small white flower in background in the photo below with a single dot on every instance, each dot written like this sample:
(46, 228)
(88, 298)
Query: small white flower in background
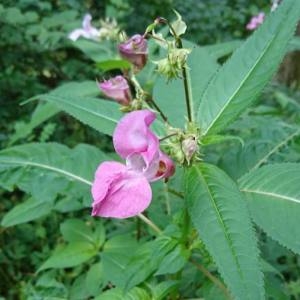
(109, 30)
(275, 4)
(87, 31)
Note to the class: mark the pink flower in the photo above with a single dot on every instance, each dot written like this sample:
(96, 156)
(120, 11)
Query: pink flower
(256, 21)
(87, 31)
(135, 50)
(116, 88)
(122, 191)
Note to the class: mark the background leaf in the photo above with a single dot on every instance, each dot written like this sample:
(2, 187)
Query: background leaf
(70, 255)
(27, 211)
(273, 196)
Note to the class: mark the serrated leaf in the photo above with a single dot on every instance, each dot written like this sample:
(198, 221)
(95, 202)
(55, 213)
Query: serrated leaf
(70, 255)
(102, 115)
(273, 197)
(44, 111)
(244, 75)
(27, 211)
(48, 169)
(219, 213)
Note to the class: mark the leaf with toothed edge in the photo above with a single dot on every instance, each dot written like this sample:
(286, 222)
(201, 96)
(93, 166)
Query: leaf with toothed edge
(244, 75)
(220, 215)
(273, 197)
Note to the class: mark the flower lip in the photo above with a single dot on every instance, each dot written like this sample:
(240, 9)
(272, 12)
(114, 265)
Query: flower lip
(119, 192)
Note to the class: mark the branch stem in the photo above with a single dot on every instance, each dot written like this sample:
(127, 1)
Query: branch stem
(214, 279)
(150, 223)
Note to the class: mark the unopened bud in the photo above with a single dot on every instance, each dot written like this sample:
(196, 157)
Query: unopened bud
(116, 88)
(135, 50)
(173, 64)
(189, 147)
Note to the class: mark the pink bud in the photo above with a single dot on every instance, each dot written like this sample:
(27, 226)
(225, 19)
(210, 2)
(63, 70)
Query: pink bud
(189, 147)
(256, 21)
(116, 88)
(135, 50)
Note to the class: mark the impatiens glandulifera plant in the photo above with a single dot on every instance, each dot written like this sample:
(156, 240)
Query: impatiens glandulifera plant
(197, 228)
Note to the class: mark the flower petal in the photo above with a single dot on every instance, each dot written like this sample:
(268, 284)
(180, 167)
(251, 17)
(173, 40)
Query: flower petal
(132, 135)
(76, 34)
(119, 192)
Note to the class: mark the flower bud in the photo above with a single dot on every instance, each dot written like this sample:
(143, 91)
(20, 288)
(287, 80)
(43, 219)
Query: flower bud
(135, 50)
(189, 147)
(173, 64)
(116, 88)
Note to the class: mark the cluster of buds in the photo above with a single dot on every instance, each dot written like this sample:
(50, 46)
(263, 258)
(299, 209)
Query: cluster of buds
(171, 66)
(183, 146)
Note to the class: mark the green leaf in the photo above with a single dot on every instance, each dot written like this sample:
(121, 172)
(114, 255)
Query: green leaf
(118, 294)
(222, 49)
(273, 197)
(94, 280)
(29, 210)
(116, 254)
(244, 75)
(216, 139)
(174, 261)
(48, 169)
(147, 259)
(96, 51)
(44, 111)
(163, 289)
(68, 256)
(102, 115)
(74, 230)
(170, 96)
(113, 64)
(219, 213)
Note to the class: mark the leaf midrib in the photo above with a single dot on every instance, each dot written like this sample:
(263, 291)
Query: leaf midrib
(224, 227)
(271, 194)
(48, 167)
(64, 100)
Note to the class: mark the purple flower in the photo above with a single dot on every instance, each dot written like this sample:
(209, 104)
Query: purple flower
(135, 50)
(123, 191)
(87, 31)
(116, 88)
(256, 21)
